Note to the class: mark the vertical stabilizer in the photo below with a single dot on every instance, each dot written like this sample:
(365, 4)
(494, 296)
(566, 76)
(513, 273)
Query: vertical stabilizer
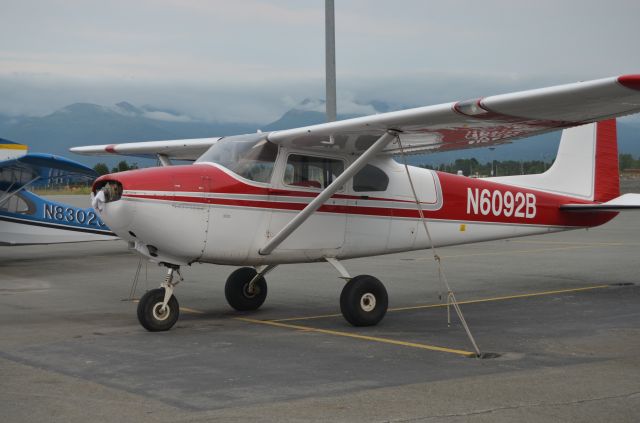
(10, 150)
(586, 165)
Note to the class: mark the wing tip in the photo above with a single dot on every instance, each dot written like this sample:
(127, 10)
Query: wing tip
(630, 81)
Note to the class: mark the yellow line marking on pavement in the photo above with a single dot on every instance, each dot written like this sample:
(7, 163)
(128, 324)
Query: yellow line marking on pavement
(191, 310)
(361, 337)
(481, 300)
(321, 316)
(503, 298)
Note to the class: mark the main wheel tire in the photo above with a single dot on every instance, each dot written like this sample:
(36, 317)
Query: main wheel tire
(150, 313)
(237, 293)
(364, 301)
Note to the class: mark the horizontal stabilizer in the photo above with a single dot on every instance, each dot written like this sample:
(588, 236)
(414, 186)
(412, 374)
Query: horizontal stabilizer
(624, 202)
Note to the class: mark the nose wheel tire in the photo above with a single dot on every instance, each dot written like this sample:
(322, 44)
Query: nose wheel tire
(364, 301)
(238, 292)
(151, 314)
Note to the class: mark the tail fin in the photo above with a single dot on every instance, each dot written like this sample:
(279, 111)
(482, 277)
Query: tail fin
(586, 165)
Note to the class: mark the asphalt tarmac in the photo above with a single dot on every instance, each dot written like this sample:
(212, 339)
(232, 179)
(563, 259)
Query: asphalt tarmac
(561, 312)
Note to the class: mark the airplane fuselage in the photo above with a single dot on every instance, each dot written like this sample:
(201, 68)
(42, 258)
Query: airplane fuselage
(206, 213)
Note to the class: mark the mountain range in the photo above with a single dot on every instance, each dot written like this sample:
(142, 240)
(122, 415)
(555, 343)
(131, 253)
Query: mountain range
(85, 123)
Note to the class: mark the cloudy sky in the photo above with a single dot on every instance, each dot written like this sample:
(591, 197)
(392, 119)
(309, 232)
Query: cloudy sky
(250, 60)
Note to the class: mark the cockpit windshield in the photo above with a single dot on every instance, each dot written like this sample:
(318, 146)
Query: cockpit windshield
(250, 156)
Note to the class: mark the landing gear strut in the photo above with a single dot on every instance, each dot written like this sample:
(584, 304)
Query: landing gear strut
(158, 309)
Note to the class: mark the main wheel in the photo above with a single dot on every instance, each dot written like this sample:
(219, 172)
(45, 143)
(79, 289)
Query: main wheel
(236, 290)
(364, 301)
(150, 313)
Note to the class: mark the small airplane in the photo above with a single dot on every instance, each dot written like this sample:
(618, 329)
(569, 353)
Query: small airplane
(26, 218)
(333, 191)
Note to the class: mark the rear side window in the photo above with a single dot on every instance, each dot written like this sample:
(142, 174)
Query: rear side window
(311, 172)
(370, 178)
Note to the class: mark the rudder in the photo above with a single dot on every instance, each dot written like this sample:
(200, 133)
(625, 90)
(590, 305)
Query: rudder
(607, 176)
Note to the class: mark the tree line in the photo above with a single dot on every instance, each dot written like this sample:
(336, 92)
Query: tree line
(103, 169)
(472, 167)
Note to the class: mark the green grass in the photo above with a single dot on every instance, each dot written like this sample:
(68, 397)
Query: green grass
(63, 191)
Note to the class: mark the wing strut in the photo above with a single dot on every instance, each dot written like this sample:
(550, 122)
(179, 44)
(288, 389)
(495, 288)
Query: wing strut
(164, 159)
(317, 202)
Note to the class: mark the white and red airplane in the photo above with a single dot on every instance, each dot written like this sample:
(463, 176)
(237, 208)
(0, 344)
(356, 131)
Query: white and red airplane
(333, 191)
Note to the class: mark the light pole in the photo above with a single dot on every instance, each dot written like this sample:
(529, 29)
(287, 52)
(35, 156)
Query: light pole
(330, 60)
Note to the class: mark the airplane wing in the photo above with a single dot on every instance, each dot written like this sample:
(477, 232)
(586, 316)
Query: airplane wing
(17, 172)
(477, 123)
(459, 125)
(188, 149)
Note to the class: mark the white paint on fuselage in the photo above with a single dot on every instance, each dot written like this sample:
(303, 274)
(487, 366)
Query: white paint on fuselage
(202, 231)
(234, 234)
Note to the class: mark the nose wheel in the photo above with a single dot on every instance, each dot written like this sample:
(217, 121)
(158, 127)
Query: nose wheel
(158, 309)
(153, 315)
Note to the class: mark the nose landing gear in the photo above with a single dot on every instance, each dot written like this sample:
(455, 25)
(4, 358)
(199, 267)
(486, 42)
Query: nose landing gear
(158, 309)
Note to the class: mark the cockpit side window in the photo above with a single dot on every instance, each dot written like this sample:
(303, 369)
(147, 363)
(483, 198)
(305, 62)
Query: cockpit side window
(250, 158)
(311, 172)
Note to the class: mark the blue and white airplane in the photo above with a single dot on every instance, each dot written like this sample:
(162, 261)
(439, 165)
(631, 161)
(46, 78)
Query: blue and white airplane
(26, 218)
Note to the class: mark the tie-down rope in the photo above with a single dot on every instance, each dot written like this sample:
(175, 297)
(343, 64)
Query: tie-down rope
(451, 298)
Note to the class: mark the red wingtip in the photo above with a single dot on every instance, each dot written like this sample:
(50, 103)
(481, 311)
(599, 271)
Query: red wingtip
(630, 81)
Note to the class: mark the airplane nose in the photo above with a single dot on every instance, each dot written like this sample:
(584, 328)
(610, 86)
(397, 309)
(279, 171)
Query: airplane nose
(140, 207)
(106, 199)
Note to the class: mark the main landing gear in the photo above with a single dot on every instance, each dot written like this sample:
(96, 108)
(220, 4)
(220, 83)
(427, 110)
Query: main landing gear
(246, 289)
(364, 301)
